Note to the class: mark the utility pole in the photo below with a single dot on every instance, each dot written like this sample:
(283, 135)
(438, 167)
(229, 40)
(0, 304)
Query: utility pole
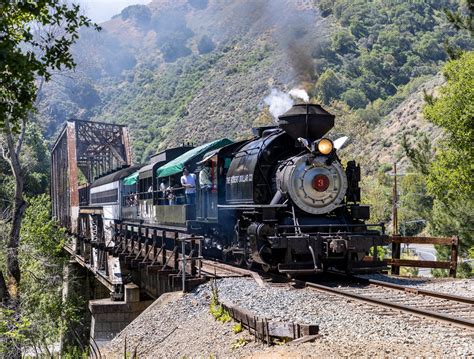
(395, 246)
(395, 202)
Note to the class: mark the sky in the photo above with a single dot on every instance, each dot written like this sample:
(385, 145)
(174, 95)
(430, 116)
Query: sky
(102, 10)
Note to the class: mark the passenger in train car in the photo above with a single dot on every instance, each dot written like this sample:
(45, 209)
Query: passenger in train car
(188, 181)
(163, 200)
(205, 185)
(205, 176)
(170, 192)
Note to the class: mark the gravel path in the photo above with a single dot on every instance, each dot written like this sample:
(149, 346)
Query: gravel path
(181, 327)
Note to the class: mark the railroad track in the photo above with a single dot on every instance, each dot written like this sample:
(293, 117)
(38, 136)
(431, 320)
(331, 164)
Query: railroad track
(453, 309)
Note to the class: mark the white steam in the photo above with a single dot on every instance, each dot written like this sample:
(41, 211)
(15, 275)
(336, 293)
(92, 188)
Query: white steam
(279, 102)
(299, 93)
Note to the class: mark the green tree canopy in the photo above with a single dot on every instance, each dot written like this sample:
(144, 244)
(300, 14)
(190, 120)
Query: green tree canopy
(451, 173)
(27, 54)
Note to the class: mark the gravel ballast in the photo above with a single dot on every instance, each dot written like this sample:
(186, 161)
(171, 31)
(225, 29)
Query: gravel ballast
(181, 326)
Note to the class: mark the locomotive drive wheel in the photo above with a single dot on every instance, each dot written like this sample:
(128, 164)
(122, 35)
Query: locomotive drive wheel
(243, 261)
(249, 263)
(239, 259)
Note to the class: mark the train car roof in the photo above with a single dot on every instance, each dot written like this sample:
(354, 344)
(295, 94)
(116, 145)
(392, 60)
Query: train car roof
(176, 166)
(115, 176)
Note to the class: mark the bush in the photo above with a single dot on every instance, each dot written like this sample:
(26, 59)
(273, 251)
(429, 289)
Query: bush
(205, 45)
(172, 51)
(354, 98)
(328, 86)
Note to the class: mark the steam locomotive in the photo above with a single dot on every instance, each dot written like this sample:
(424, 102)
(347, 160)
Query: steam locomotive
(282, 200)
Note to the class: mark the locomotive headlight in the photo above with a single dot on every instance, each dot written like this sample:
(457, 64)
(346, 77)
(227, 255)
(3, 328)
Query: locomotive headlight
(325, 146)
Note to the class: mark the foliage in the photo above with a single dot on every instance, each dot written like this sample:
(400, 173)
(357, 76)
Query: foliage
(35, 159)
(328, 86)
(451, 172)
(414, 203)
(464, 270)
(382, 252)
(459, 19)
(44, 313)
(281, 341)
(239, 343)
(205, 45)
(408, 271)
(372, 58)
(354, 98)
(237, 328)
(216, 309)
(453, 219)
(25, 55)
(420, 155)
(381, 46)
(377, 194)
(155, 102)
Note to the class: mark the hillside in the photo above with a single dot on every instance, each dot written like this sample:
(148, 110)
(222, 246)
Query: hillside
(384, 144)
(193, 70)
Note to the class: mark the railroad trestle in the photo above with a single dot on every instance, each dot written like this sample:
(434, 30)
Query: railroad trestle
(156, 259)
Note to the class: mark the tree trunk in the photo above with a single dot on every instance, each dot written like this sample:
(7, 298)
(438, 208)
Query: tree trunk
(4, 295)
(19, 206)
(13, 265)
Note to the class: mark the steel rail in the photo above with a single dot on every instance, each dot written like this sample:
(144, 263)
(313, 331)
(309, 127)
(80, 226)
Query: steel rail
(418, 291)
(462, 322)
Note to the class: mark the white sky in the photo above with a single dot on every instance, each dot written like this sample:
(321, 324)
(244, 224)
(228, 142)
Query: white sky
(103, 10)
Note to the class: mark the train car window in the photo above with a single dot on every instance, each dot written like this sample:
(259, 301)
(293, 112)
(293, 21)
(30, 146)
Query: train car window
(110, 196)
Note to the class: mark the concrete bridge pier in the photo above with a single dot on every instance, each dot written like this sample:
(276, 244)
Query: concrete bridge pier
(108, 317)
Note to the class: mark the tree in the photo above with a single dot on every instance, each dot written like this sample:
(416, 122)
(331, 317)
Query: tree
(460, 20)
(205, 45)
(328, 86)
(343, 42)
(450, 173)
(31, 48)
(44, 313)
(354, 98)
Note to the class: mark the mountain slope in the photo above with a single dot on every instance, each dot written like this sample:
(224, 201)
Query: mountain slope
(194, 70)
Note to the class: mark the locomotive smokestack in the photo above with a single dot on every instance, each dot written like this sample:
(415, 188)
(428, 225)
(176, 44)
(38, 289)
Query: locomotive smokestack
(309, 121)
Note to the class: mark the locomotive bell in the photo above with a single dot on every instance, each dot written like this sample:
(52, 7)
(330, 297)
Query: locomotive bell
(309, 121)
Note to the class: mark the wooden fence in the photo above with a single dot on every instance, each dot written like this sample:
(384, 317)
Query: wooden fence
(396, 262)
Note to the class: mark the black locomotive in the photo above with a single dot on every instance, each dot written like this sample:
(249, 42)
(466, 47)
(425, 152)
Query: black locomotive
(281, 200)
(289, 204)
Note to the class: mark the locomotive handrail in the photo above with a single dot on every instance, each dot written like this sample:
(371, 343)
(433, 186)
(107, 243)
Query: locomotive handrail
(250, 206)
(328, 234)
(331, 225)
